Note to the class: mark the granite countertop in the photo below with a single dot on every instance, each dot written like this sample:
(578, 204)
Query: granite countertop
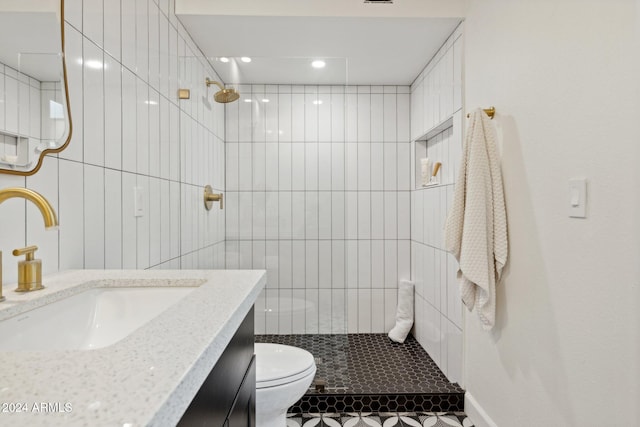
(148, 378)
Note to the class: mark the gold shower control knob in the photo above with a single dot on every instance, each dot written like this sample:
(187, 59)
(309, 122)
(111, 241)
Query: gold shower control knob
(210, 197)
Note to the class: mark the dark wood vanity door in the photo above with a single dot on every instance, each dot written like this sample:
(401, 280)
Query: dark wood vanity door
(243, 412)
(230, 387)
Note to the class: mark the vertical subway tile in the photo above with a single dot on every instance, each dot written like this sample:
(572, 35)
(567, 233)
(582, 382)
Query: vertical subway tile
(338, 264)
(389, 118)
(311, 264)
(364, 311)
(298, 171)
(154, 133)
(285, 266)
(74, 61)
(298, 262)
(73, 13)
(93, 95)
(377, 214)
(377, 264)
(338, 215)
(258, 166)
(143, 225)
(92, 20)
(155, 221)
(324, 166)
(94, 208)
(377, 311)
(297, 117)
(165, 220)
(311, 117)
(311, 321)
(324, 214)
(285, 311)
(377, 166)
(377, 118)
(142, 38)
(311, 214)
(311, 166)
(142, 127)
(324, 264)
(112, 113)
(324, 311)
(364, 166)
(364, 117)
(70, 213)
(284, 166)
(364, 215)
(298, 214)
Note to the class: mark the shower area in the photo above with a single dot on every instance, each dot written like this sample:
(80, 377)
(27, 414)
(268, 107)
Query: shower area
(320, 192)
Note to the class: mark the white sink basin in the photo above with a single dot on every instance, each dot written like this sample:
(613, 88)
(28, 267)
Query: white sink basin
(92, 319)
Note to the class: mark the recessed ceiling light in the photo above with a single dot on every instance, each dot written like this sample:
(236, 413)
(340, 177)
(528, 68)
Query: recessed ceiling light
(224, 59)
(318, 63)
(245, 59)
(317, 102)
(265, 100)
(247, 100)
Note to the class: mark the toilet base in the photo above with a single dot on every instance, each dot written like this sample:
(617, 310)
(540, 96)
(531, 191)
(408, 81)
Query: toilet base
(272, 403)
(272, 419)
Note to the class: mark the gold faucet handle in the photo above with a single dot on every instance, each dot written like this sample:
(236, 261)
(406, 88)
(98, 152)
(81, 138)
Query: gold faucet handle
(29, 270)
(29, 251)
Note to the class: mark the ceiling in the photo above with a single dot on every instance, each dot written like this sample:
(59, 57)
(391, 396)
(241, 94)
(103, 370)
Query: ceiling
(380, 48)
(34, 53)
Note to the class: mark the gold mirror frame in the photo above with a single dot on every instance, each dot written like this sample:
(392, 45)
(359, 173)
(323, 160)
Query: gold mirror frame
(44, 153)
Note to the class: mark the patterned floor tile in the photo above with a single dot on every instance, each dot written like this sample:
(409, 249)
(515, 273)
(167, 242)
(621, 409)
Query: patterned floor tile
(381, 419)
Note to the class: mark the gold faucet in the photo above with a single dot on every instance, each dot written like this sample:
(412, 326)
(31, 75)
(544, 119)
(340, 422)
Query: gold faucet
(48, 214)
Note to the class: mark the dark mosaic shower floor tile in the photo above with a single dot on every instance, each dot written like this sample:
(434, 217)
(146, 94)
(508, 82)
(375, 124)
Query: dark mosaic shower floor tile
(369, 372)
(380, 419)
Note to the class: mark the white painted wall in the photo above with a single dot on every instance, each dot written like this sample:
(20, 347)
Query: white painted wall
(563, 77)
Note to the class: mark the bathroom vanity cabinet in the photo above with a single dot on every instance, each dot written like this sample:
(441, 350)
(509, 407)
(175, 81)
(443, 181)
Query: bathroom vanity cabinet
(227, 396)
(191, 364)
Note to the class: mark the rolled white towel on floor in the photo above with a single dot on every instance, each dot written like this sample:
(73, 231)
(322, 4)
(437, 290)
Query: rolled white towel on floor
(404, 313)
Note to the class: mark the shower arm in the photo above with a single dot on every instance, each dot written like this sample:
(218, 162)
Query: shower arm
(213, 82)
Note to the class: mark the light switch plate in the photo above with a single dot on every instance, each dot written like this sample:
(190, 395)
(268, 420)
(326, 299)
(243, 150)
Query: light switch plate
(578, 198)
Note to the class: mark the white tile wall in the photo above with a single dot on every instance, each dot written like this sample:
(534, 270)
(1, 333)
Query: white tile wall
(321, 183)
(129, 129)
(436, 99)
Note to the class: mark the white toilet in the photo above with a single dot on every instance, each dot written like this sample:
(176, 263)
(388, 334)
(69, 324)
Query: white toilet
(283, 375)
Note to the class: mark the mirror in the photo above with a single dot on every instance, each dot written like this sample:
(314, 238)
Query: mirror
(35, 118)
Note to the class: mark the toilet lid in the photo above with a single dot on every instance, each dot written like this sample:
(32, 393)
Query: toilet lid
(278, 364)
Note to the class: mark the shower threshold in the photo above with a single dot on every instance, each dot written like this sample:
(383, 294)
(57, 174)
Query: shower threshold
(370, 373)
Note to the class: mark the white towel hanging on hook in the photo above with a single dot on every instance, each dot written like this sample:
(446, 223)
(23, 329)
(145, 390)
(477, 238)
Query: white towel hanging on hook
(476, 228)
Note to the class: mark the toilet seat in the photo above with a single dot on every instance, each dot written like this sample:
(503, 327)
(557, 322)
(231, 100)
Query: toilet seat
(278, 364)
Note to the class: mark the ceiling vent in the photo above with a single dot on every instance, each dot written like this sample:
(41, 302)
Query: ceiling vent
(379, 1)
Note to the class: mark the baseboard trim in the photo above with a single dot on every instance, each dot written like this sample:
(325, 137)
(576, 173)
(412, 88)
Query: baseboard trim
(476, 413)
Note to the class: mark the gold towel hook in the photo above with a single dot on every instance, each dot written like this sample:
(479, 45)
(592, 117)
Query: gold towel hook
(491, 111)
